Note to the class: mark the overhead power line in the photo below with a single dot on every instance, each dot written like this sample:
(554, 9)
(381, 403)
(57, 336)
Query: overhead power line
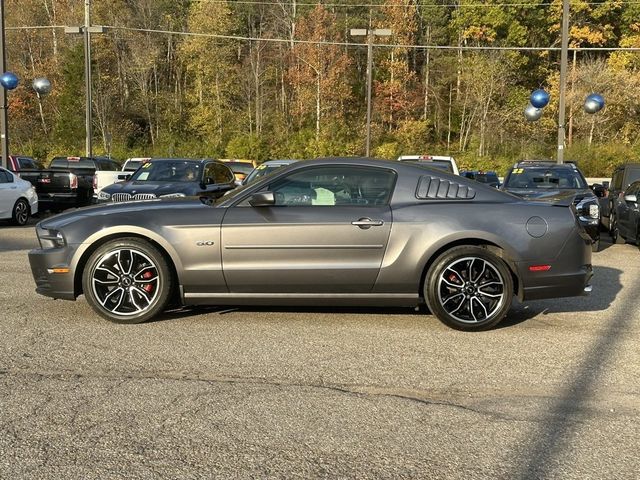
(357, 44)
(342, 44)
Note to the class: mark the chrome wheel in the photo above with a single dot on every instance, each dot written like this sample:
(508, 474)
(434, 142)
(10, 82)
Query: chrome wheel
(471, 290)
(21, 212)
(126, 282)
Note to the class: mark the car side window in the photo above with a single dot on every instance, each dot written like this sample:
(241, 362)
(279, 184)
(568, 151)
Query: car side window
(222, 173)
(617, 180)
(335, 186)
(4, 177)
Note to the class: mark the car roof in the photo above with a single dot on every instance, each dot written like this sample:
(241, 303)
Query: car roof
(546, 164)
(280, 162)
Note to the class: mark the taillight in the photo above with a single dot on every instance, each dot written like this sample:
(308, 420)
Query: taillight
(95, 182)
(73, 181)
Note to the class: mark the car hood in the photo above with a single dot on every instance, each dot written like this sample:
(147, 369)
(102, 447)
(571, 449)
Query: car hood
(141, 208)
(159, 188)
(554, 196)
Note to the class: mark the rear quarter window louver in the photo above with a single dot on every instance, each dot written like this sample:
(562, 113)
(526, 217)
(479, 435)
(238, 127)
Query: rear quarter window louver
(433, 188)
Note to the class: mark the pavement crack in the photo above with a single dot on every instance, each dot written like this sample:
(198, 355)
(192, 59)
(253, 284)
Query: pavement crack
(416, 396)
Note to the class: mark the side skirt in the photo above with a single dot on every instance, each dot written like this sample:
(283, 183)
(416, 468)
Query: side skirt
(306, 299)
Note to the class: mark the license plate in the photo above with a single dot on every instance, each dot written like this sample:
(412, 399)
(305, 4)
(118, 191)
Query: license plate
(44, 180)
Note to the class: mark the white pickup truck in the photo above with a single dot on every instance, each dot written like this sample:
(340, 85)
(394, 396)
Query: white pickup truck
(104, 178)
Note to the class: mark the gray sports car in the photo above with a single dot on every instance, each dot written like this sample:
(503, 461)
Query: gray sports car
(324, 232)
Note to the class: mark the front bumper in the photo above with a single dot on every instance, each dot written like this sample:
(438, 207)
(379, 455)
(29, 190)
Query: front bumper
(48, 283)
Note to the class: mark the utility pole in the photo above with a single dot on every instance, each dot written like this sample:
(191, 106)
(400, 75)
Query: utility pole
(86, 30)
(4, 119)
(564, 58)
(369, 33)
(87, 80)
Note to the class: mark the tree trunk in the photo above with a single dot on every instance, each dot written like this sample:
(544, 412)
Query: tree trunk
(318, 81)
(427, 72)
(449, 118)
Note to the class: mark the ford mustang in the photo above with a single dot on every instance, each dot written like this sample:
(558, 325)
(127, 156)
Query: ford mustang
(335, 231)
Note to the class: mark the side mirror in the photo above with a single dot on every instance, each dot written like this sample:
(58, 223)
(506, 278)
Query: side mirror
(631, 198)
(262, 199)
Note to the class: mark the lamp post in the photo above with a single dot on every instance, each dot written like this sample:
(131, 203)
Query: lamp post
(86, 30)
(564, 57)
(369, 33)
(4, 121)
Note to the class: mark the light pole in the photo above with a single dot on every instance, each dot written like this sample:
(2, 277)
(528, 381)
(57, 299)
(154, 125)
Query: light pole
(369, 33)
(4, 120)
(564, 57)
(86, 30)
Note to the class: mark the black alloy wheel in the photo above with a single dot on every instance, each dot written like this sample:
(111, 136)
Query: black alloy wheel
(127, 280)
(21, 212)
(469, 288)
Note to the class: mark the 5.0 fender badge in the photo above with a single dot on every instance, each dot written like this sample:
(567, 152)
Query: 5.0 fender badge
(205, 243)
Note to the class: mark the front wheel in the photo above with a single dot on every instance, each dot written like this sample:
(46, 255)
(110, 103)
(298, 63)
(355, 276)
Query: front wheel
(469, 288)
(127, 281)
(21, 212)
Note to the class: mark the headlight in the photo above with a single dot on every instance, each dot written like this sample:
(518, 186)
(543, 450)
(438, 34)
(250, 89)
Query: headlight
(104, 195)
(50, 238)
(588, 210)
(173, 195)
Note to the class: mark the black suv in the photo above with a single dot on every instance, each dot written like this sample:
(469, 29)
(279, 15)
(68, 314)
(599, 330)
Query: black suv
(623, 176)
(172, 178)
(552, 182)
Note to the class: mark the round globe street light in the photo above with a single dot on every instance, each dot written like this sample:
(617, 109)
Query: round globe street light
(539, 98)
(593, 103)
(531, 113)
(41, 85)
(9, 80)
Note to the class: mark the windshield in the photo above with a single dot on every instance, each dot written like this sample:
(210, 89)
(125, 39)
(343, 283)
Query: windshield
(550, 178)
(240, 167)
(168, 171)
(437, 164)
(133, 165)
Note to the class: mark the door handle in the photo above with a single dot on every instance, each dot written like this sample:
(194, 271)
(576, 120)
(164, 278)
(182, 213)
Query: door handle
(366, 223)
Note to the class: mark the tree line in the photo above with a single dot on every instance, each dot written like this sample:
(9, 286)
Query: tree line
(283, 79)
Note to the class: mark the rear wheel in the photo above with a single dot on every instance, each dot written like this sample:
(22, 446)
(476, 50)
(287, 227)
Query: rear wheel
(613, 230)
(469, 288)
(21, 212)
(127, 281)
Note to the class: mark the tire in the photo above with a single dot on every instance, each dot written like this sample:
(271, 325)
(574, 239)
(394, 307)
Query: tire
(478, 278)
(21, 212)
(614, 232)
(127, 280)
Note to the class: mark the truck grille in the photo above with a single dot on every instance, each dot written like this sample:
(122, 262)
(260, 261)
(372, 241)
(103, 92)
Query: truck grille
(127, 197)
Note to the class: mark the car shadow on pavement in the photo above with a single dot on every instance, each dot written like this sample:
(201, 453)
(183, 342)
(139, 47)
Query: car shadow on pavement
(606, 286)
(194, 310)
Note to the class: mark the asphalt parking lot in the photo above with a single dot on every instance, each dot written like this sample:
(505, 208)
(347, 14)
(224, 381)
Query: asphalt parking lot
(554, 392)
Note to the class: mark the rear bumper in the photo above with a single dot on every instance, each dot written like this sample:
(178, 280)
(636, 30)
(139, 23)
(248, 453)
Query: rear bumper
(49, 284)
(569, 276)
